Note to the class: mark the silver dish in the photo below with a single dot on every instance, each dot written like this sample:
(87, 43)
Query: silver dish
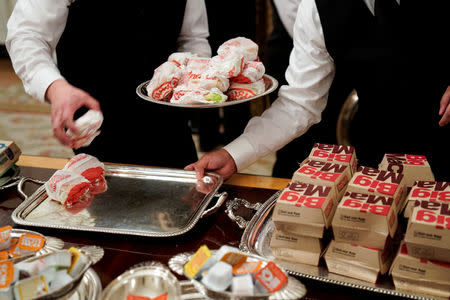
(51, 244)
(90, 287)
(256, 238)
(142, 201)
(294, 289)
(70, 289)
(270, 82)
(149, 279)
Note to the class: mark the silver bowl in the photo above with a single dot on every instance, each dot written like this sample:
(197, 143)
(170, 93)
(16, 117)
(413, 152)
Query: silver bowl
(149, 279)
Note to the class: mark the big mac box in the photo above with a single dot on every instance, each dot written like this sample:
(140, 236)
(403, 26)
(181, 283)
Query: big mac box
(358, 261)
(304, 209)
(9, 154)
(297, 248)
(433, 191)
(379, 183)
(324, 174)
(428, 232)
(344, 155)
(365, 220)
(413, 167)
(421, 276)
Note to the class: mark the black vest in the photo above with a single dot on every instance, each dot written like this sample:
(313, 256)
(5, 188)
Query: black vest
(108, 49)
(397, 113)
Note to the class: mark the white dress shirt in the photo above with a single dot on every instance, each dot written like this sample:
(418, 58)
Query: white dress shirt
(35, 27)
(300, 103)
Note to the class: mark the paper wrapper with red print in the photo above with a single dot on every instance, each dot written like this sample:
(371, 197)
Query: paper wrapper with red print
(186, 95)
(198, 74)
(67, 187)
(252, 72)
(88, 126)
(242, 45)
(181, 59)
(229, 65)
(164, 80)
(90, 168)
(239, 91)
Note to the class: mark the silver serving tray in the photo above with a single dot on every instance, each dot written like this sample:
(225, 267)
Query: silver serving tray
(270, 82)
(256, 238)
(144, 201)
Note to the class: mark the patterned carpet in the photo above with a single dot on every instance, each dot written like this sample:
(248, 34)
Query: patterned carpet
(27, 122)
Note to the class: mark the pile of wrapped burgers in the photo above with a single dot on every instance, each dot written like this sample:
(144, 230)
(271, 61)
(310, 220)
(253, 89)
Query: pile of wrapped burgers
(234, 74)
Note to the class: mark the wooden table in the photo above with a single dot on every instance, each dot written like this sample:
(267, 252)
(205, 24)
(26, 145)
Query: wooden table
(124, 251)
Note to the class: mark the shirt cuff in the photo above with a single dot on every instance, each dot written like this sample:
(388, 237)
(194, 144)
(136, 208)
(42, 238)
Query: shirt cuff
(42, 80)
(242, 152)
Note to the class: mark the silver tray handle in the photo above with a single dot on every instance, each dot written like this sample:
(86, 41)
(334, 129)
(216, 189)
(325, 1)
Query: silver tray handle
(234, 204)
(21, 183)
(221, 199)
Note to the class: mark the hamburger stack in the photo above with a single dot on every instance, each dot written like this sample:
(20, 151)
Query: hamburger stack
(304, 210)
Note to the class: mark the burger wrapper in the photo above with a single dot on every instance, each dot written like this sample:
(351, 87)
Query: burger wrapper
(67, 187)
(165, 79)
(86, 165)
(239, 91)
(252, 72)
(242, 45)
(88, 126)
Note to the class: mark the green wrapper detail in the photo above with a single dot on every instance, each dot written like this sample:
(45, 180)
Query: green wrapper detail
(214, 97)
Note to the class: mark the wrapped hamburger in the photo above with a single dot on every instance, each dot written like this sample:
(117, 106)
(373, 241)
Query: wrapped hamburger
(88, 126)
(67, 187)
(239, 91)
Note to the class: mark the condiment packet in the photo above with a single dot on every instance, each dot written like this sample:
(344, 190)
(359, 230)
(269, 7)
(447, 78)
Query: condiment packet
(5, 237)
(193, 266)
(270, 278)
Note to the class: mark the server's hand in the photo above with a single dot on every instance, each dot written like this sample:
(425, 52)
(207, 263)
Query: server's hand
(444, 109)
(219, 161)
(65, 100)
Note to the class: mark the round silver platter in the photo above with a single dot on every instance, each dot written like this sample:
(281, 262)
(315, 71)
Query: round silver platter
(270, 82)
(294, 289)
(148, 279)
(90, 287)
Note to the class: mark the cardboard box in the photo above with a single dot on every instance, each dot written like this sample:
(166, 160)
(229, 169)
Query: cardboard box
(324, 174)
(428, 232)
(306, 211)
(433, 191)
(357, 261)
(420, 276)
(379, 183)
(365, 220)
(9, 154)
(413, 167)
(338, 154)
(296, 248)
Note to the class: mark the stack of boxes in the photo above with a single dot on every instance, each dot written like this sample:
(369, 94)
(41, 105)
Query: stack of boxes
(422, 263)
(365, 224)
(351, 218)
(304, 210)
